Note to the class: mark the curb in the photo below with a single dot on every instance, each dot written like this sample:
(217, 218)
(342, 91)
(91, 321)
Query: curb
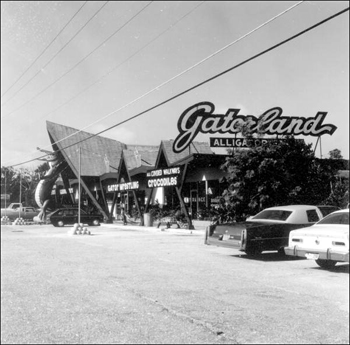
(120, 226)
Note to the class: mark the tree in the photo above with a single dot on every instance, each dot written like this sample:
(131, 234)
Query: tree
(42, 169)
(339, 195)
(21, 183)
(274, 174)
(335, 154)
(7, 181)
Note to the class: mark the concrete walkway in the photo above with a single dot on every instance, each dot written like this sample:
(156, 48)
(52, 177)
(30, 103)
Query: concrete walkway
(162, 228)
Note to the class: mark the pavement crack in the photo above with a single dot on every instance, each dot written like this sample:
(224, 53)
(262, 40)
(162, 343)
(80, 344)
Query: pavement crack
(199, 322)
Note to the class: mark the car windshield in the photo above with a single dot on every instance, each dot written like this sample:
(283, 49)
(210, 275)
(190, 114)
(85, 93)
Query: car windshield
(273, 214)
(336, 218)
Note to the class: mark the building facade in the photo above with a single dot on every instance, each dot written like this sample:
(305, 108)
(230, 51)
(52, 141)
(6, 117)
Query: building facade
(113, 175)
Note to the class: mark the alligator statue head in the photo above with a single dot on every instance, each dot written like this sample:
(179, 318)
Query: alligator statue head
(43, 190)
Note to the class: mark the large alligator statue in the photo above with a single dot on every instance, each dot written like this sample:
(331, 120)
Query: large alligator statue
(44, 187)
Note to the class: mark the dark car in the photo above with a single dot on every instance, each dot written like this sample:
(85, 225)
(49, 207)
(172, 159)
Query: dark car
(64, 216)
(266, 231)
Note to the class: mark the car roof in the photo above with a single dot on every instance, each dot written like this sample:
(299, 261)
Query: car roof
(345, 210)
(291, 207)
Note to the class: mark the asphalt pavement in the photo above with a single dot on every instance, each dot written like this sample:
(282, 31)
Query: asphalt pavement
(148, 285)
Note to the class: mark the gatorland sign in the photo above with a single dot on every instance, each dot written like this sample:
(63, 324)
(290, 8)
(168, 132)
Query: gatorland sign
(200, 118)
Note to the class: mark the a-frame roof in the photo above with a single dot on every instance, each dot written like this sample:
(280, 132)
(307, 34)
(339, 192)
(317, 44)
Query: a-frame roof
(166, 151)
(98, 155)
(139, 161)
(101, 157)
(95, 152)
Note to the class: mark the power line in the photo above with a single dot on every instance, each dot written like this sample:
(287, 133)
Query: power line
(265, 23)
(78, 63)
(122, 63)
(187, 70)
(44, 50)
(42, 68)
(212, 78)
(202, 83)
(283, 12)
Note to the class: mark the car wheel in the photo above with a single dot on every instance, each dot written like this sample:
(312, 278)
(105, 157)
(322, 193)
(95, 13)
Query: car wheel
(326, 263)
(55, 224)
(253, 251)
(60, 223)
(96, 222)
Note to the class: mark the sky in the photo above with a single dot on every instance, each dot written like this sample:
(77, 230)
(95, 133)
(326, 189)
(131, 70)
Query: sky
(92, 65)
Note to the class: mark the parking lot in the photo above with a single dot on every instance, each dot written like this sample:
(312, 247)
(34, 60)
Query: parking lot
(125, 285)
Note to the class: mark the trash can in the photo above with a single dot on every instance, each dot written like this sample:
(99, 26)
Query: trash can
(148, 221)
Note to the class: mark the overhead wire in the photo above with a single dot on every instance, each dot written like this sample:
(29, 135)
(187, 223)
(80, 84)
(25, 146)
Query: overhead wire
(265, 23)
(52, 58)
(156, 88)
(38, 57)
(122, 63)
(79, 62)
(202, 83)
(185, 71)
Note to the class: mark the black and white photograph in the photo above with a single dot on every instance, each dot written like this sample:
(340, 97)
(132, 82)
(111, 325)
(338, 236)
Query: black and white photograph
(175, 172)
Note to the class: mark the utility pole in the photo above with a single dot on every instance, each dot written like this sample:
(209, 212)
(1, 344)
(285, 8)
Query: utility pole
(20, 194)
(5, 193)
(79, 185)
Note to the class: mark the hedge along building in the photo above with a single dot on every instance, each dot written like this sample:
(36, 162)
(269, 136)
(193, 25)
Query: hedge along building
(113, 174)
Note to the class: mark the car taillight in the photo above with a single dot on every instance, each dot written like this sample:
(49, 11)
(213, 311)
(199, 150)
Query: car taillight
(297, 240)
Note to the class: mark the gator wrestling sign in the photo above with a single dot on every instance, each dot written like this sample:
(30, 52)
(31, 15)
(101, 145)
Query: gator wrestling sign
(200, 118)
(134, 185)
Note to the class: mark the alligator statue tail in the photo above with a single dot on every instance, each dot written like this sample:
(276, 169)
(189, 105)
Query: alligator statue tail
(44, 187)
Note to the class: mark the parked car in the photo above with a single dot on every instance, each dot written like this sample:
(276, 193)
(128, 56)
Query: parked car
(17, 210)
(327, 241)
(65, 216)
(268, 230)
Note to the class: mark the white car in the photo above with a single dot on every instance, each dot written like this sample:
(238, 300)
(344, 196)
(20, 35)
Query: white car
(327, 241)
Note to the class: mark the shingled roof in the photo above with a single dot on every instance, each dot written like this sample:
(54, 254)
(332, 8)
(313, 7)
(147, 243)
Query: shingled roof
(140, 157)
(195, 147)
(99, 155)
